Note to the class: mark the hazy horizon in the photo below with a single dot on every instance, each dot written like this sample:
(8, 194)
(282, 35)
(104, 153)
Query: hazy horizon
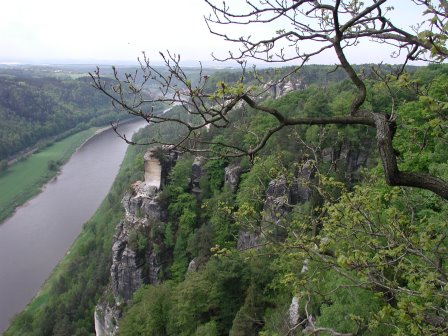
(107, 32)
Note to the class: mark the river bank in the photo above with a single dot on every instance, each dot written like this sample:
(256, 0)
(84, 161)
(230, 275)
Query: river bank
(28, 175)
(25, 179)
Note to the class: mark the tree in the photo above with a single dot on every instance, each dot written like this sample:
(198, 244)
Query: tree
(334, 25)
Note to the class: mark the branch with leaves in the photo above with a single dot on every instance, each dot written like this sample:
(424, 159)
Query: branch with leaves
(337, 25)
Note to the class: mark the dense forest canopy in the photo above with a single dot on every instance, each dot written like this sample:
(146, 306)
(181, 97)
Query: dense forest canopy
(40, 104)
(36, 107)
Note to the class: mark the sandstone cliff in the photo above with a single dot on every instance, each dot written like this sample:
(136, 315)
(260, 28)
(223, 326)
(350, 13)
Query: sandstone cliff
(138, 254)
(282, 194)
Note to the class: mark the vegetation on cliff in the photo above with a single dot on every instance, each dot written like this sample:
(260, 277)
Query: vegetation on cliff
(338, 223)
(347, 255)
(357, 256)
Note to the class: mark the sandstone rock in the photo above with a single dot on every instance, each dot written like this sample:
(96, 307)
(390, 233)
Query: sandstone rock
(106, 319)
(135, 258)
(247, 240)
(197, 171)
(293, 312)
(125, 271)
(141, 201)
(279, 89)
(300, 191)
(153, 168)
(281, 196)
(348, 160)
(158, 163)
(276, 205)
(232, 175)
(192, 266)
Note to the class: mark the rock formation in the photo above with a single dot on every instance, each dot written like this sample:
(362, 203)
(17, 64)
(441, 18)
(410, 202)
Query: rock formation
(281, 195)
(279, 89)
(137, 253)
(197, 171)
(232, 175)
(348, 160)
(153, 169)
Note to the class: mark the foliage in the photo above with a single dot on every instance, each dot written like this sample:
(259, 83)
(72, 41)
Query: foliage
(375, 269)
(205, 301)
(359, 257)
(42, 107)
(148, 312)
(334, 26)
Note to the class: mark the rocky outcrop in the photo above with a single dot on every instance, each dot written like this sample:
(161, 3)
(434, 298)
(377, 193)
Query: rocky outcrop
(248, 239)
(281, 196)
(106, 317)
(278, 89)
(277, 203)
(193, 266)
(143, 202)
(293, 312)
(232, 175)
(153, 168)
(197, 171)
(137, 252)
(348, 160)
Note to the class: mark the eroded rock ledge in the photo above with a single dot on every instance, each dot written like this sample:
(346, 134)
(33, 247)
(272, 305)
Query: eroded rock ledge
(137, 253)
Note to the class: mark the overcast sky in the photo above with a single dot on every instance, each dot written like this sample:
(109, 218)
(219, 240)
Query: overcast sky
(92, 31)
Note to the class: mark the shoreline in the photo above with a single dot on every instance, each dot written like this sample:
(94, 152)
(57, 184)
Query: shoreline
(46, 180)
(27, 152)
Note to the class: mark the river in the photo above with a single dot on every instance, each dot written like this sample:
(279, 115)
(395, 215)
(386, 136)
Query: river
(38, 235)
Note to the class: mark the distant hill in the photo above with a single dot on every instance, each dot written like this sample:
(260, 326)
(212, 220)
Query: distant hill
(38, 103)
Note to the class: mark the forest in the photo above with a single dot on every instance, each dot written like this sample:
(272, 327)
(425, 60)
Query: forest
(352, 254)
(357, 256)
(304, 200)
(40, 105)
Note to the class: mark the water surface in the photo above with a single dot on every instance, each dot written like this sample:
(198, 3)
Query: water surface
(36, 237)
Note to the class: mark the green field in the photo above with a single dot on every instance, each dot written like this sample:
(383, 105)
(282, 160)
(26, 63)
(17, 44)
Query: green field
(25, 178)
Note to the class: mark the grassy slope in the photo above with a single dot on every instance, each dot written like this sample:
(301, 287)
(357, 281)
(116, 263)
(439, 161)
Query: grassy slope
(24, 179)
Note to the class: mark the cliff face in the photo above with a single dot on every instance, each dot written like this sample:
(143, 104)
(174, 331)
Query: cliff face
(232, 174)
(277, 90)
(282, 194)
(138, 249)
(197, 171)
(137, 253)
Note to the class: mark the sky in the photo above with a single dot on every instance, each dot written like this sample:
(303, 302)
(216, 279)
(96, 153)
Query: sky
(117, 31)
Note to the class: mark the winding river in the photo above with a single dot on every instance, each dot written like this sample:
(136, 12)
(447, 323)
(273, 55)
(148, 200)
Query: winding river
(36, 237)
